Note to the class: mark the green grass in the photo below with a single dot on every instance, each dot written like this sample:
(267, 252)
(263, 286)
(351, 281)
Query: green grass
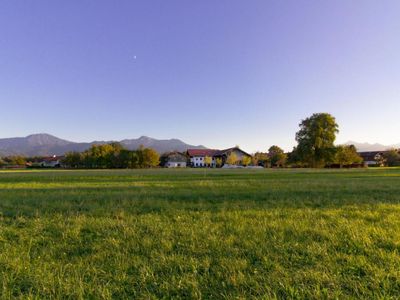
(291, 234)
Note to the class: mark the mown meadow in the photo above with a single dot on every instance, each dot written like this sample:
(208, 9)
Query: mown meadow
(196, 234)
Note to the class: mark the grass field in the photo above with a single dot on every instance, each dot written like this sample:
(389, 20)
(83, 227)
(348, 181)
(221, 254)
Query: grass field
(181, 234)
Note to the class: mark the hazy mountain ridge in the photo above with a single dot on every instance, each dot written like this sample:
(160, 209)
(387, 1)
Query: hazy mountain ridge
(45, 144)
(362, 147)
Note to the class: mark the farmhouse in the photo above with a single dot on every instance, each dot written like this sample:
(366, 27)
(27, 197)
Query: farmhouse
(47, 162)
(174, 160)
(197, 157)
(240, 154)
(373, 158)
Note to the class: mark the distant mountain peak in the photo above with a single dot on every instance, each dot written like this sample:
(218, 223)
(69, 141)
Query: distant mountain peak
(42, 134)
(362, 147)
(40, 139)
(144, 137)
(44, 144)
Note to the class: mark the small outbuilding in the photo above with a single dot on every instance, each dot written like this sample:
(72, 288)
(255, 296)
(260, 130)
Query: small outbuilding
(174, 160)
(373, 158)
(46, 162)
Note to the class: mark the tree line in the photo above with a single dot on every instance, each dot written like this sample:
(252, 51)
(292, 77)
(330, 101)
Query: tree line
(112, 156)
(13, 160)
(337, 156)
(315, 148)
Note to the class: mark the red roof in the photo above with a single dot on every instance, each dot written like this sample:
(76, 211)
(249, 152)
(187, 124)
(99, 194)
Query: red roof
(202, 152)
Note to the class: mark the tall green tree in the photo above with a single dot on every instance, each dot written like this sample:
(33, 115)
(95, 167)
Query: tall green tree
(128, 159)
(316, 139)
(150, 158)
(392, 158)
(294, 159)
(15, 160)
(260, 159)
(98, 156)
(114, 157)
(277, 156)
(347, 155)
(73, 159)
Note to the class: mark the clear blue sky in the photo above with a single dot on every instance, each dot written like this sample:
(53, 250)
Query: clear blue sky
(217, 73)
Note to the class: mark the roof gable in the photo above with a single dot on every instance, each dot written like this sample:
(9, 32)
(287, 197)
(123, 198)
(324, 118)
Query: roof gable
(214, 152)
(175, 157)
(229, 150)
(202, 152)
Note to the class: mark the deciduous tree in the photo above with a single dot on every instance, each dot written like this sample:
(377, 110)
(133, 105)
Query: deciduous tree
(277, 156)
(15, 160)
(316, 139)
(260, 159)
(207, 161)
(150, 158)
(232, 159)
(246, 160)
(347, 155)
(112, 155)
(73, 159)
(392, 158)
(218, 162)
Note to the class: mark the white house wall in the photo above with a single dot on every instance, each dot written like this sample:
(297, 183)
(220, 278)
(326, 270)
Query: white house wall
(198, 161)
(176, 165)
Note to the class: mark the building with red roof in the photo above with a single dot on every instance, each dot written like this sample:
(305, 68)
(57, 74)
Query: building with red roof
(197, 157)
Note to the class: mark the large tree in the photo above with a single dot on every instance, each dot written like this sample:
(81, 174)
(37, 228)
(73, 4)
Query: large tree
(73, 159)
(277, 156)
(260, 159)
(347, 155)
(316, 139)
(392, 158)
(150, 158)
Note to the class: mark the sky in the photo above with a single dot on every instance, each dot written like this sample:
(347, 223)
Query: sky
(217, 73)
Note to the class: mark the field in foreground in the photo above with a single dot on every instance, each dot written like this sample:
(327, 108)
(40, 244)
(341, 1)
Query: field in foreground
(186, 234)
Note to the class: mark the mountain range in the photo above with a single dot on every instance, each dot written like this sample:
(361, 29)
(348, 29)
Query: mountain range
(47, 145)
(362, 147)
